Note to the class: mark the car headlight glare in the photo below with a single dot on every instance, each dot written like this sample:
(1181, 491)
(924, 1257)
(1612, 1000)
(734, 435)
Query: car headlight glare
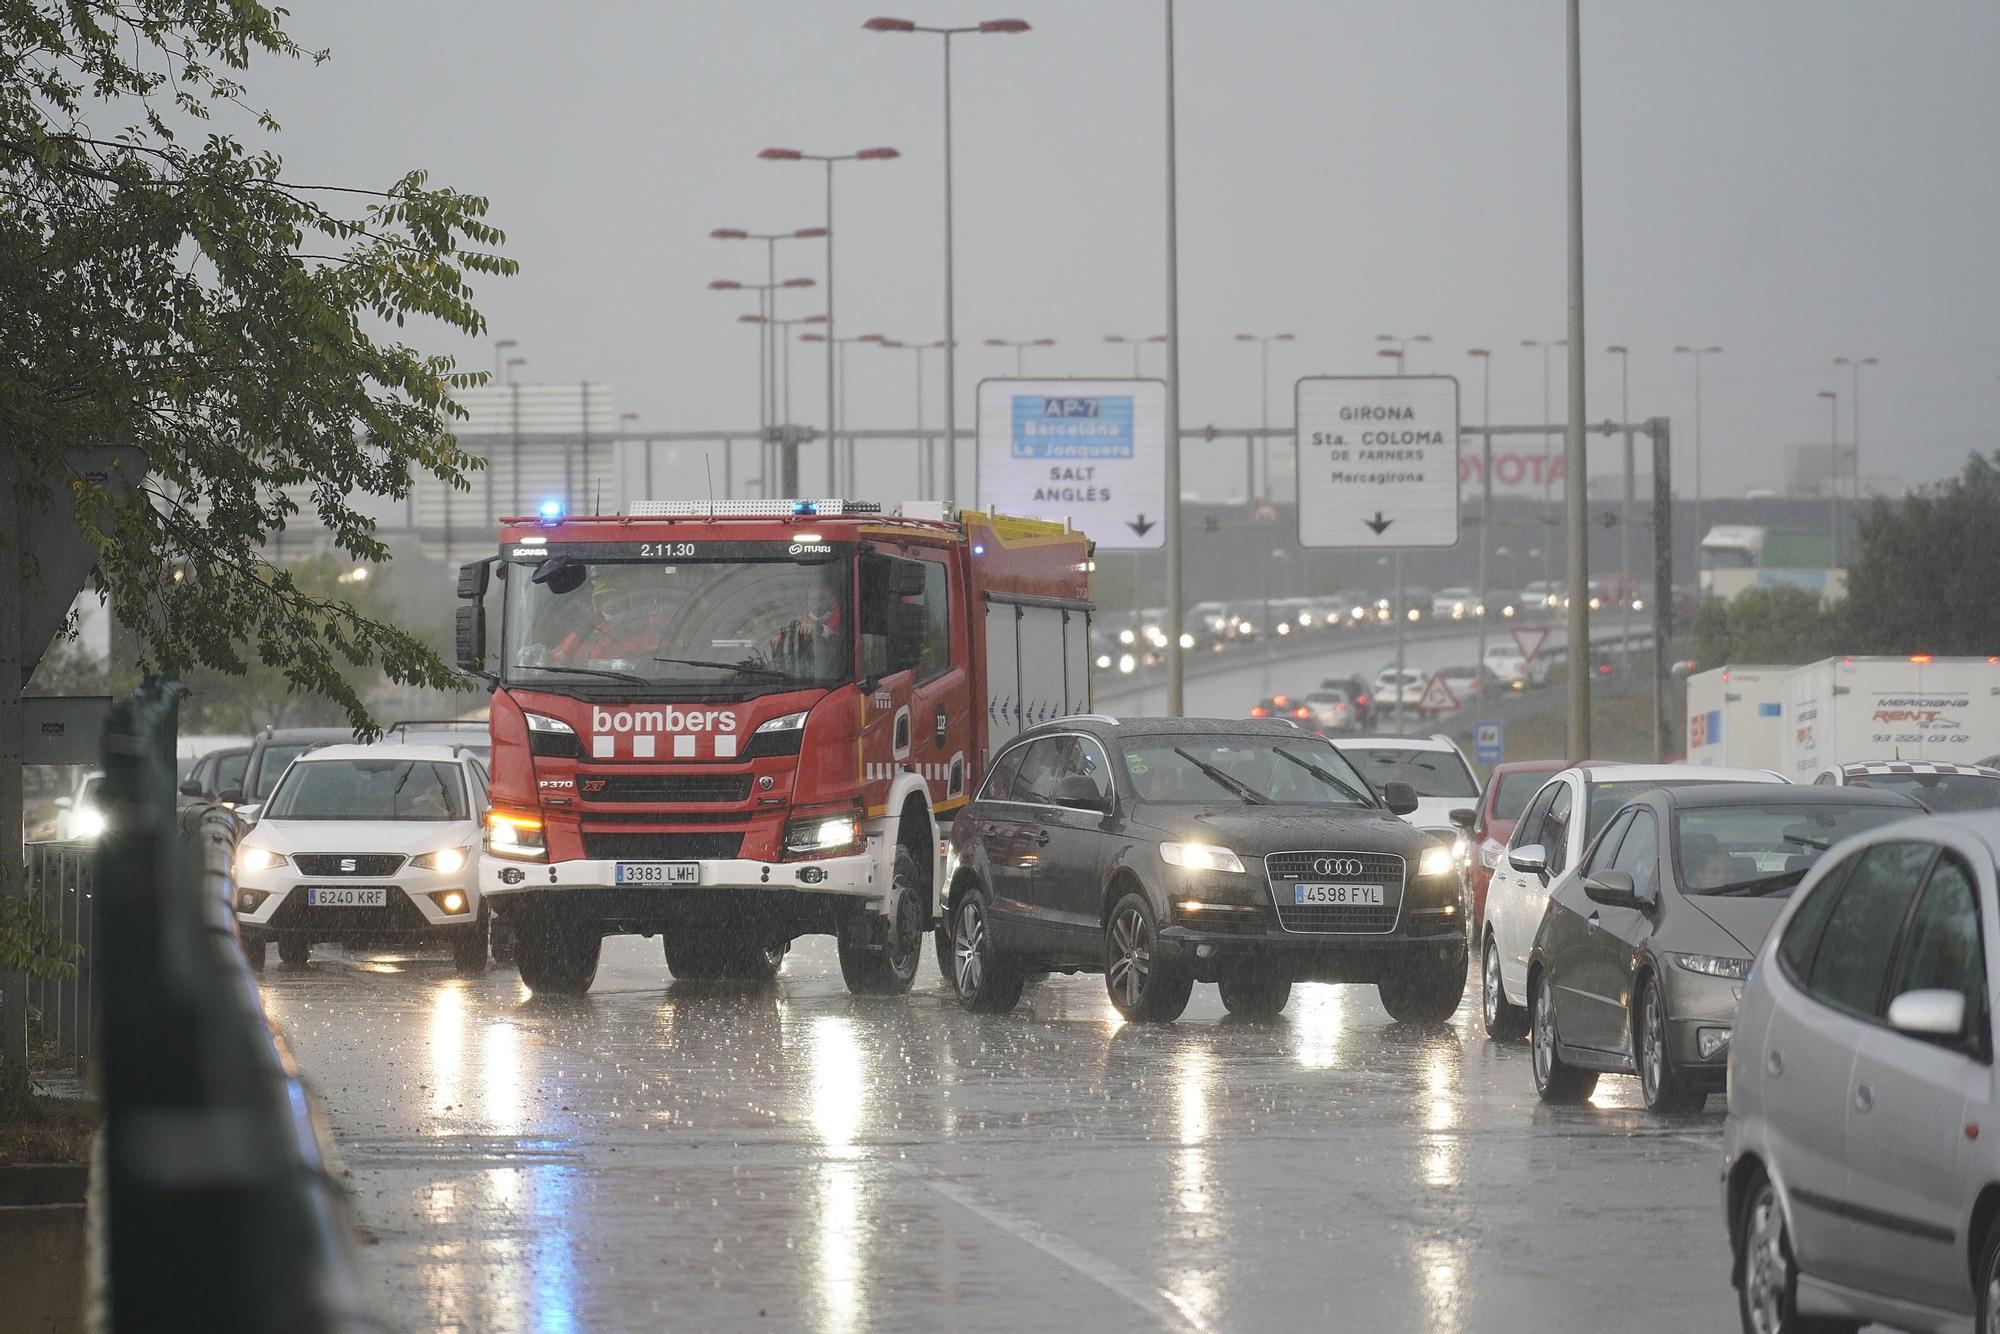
(819, 835)
(446, 860)
(1200, 857)
(1713, 965)
(252, 859)
(1437, 860)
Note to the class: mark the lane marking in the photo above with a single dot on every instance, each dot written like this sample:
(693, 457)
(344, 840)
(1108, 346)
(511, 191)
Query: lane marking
(1162, 1305)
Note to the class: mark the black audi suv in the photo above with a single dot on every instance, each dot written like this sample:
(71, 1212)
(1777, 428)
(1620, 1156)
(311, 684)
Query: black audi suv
(1165, 852)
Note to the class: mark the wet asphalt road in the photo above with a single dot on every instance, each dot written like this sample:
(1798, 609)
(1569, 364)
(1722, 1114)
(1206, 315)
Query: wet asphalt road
(659, 1156)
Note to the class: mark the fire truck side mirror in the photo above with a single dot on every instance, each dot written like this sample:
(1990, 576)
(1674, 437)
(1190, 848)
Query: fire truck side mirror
(472, 579)
(471, 638)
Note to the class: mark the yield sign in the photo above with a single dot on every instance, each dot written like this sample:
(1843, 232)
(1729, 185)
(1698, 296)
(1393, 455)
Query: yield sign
(1437, 696)
(1529, 639)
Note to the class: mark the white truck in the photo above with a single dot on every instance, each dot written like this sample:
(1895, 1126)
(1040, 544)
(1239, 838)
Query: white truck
(1799, 720)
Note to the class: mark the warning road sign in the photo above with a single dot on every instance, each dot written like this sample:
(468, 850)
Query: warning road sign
(1437, 696)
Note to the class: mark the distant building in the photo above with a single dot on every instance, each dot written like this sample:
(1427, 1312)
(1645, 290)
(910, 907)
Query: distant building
(1806, 469)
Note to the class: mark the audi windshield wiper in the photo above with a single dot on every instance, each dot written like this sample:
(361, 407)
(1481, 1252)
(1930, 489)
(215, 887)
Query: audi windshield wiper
(582, 671)
(1241, 789)
(721, 666)
(1762, 884)
(1323, 776)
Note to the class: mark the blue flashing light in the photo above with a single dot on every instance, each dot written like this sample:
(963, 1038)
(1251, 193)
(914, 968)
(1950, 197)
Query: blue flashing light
(978, 549)
(804, 507)
(551, 510)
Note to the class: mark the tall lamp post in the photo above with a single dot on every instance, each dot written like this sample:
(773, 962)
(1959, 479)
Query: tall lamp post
(1136, 344)
(1263, 342)
(836, 486)
(1629, 498)
(1832, 398)
(788, 446)
(1020, 347)
(1399, 353)
(500, 347)
(1699, 354)
(1854, 416)
(989, 27)
(1485, 358)
(767, 355)
(862, 155)
(1548, 454)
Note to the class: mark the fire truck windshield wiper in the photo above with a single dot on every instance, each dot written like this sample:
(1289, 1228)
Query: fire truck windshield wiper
(721, 666)
(582, 671)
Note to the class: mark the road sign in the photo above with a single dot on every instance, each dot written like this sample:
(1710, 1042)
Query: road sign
(1378, 461)
(1437, 697)
(1489, 742)
(63, 729)
(1529, 639)
(1090, 451)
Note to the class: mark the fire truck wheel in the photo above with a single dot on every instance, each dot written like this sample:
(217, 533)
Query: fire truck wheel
(557, 960)
(890, 970)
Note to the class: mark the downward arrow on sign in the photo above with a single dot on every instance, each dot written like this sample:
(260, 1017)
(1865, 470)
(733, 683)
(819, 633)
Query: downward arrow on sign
(1141, 525)
(1378, 524)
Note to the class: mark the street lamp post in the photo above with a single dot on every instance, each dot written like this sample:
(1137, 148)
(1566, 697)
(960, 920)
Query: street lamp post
(1400, 352)
(767, 354)
(1854, 419)
(1548, 456)
(1250, 492)
(1625, 585)
(1699, 354)
(788, 456)
(1020, 347)
(837, 486)
(794, 155)
(500, 346)
(1485, 359)
(1832, 398)
(989, 27)
(1136, 343)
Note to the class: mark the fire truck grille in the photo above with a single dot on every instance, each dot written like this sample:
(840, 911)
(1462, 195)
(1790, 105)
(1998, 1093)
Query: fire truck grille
(673, 847)
(664, 787)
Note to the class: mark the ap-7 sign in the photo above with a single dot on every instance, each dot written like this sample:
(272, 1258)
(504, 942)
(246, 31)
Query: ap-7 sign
(1378, 461)
(1090, 451)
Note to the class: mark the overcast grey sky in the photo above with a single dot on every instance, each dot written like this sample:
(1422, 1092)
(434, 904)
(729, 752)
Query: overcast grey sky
(1791, 179)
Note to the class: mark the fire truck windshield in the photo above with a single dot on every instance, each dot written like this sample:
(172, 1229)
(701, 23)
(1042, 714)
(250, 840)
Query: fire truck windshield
(692, 625)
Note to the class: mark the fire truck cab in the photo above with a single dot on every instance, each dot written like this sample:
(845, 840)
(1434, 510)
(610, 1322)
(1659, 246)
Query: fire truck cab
(735, 724)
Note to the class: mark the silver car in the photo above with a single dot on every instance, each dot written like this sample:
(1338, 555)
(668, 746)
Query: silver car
(1858, 1186)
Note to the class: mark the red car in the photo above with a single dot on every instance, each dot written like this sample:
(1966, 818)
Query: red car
(1507, 793)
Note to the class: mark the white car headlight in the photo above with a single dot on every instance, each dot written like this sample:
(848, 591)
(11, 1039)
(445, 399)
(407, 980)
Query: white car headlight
(1200, 857)
(257, 859)
(1713, 965)
(446, 860)
(1437, 860)
(86, 822)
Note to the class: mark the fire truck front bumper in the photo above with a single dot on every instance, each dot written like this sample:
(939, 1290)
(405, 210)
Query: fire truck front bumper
(503, 879)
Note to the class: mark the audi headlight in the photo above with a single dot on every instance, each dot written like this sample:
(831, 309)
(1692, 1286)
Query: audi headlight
(822, 835)
(1437, 860)
(446, 860)
(518, 836)
(251, 859)
(1200, 857)
(1713, 965)
(790, 722)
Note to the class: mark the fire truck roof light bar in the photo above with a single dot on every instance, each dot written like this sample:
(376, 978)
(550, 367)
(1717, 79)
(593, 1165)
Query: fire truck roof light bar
(749, 509)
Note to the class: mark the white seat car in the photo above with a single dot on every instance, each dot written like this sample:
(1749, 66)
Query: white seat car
(1857, 1184)
(371, 845)
(1571, 809)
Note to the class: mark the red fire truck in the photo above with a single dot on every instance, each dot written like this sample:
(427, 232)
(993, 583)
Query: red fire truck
(735, 724)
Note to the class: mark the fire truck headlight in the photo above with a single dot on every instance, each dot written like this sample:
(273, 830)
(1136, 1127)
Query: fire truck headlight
(790, 722)
(822, 835)
(541, 722)
(518, 836)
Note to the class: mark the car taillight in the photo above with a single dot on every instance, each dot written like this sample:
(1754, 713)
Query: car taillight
(1302, 712)
(1257, 712)
(1363, 699)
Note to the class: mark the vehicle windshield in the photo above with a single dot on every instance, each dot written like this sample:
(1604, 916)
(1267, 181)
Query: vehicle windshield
(1433, 773)
(370, 790)
(1516, 791)
(1217, 771)
(1764, 849)
(1947, 794)
(697, 625)
(276, 757)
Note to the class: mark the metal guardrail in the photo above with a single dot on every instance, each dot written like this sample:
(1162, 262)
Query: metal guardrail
(221, 1209)
(60, 881)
